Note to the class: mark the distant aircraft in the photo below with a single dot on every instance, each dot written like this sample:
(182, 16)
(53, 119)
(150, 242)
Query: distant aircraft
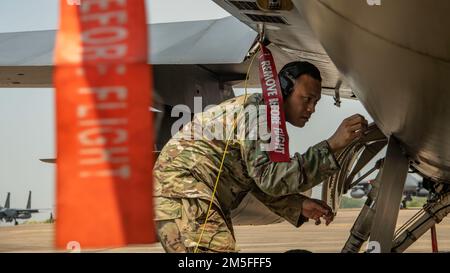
(413, 187)
(8, 214)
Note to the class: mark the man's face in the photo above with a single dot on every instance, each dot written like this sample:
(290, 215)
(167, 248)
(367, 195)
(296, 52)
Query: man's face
(301, 103)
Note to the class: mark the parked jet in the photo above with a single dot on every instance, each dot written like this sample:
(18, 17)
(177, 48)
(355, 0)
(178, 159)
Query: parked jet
(8, 214)
(413, 187)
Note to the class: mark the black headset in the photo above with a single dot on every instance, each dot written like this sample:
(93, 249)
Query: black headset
(291, 71)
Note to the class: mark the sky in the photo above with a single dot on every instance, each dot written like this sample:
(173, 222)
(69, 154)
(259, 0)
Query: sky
(27, 115)
(28, 15)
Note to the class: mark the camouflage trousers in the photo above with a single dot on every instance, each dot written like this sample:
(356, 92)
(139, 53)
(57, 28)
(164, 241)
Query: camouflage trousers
(179, 224)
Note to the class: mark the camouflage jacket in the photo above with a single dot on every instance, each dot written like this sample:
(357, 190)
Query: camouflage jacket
(188, 164)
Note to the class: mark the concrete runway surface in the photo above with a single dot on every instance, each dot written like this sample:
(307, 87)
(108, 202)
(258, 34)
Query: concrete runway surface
(270, 238)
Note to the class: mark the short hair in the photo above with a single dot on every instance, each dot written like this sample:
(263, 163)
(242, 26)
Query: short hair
(292, 71)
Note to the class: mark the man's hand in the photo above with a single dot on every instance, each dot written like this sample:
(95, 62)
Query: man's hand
(351, 128)
(314, 209)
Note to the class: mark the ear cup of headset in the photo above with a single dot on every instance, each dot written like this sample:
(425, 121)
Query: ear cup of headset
(291, 71)
(286, 84)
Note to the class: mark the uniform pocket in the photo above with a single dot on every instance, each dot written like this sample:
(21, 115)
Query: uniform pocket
(167, 208)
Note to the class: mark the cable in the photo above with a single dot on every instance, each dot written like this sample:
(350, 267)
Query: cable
(419, 225)
(223, 156)
(408, 223)
(413, 219)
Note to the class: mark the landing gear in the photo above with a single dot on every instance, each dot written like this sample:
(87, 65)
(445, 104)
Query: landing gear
(352, 160)
(392, 181)
(15, 222)
(379, 215)
(382, 205)
(436, 209)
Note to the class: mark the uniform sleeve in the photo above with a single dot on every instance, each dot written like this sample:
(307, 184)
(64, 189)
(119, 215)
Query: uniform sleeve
(276, 179)
(302, 173)
(289, 207)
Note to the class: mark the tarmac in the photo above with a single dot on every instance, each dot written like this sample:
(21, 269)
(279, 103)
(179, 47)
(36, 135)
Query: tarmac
(260, 239)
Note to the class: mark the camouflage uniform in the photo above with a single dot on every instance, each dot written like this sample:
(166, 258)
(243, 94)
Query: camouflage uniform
(186, 169)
